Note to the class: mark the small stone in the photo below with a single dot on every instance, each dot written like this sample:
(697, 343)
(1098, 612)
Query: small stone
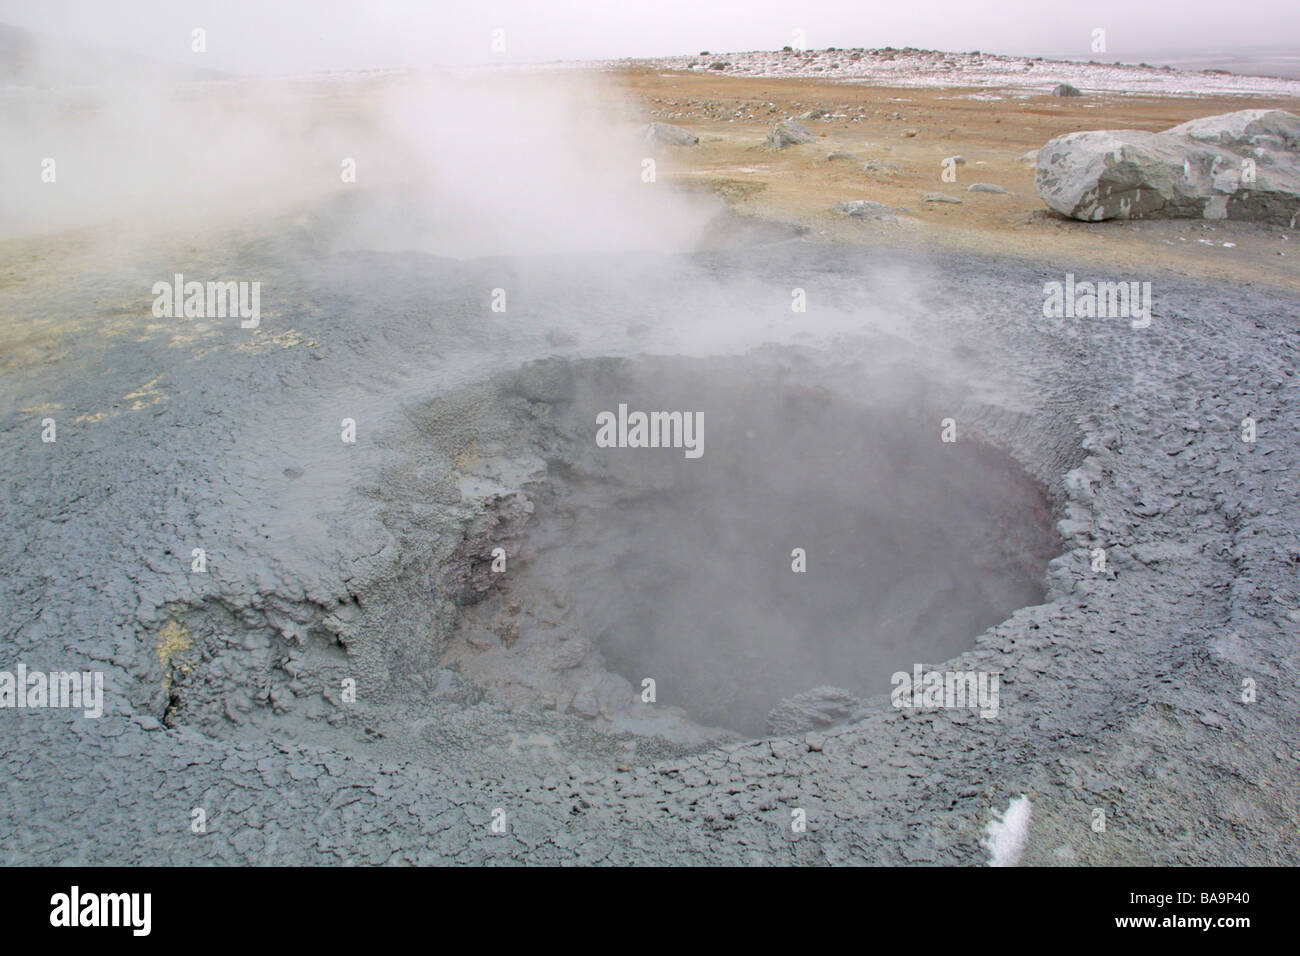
(788, 132)
(668, 135)
(864, 209)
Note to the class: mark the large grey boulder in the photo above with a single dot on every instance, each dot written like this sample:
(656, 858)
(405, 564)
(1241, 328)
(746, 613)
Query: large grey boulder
(1243, 165)
(788, 132)
(667, 134)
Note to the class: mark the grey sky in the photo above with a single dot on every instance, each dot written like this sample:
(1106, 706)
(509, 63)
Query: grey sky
(275, 36)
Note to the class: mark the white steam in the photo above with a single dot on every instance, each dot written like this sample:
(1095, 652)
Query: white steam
(465, 164)
(1007, 833)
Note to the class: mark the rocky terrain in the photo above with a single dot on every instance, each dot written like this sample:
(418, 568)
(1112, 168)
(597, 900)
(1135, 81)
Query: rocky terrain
(911, 68)
(893, 146)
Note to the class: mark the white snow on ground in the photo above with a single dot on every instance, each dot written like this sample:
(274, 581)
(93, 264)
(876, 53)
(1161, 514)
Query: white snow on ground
(1007, 833)
(935, 69)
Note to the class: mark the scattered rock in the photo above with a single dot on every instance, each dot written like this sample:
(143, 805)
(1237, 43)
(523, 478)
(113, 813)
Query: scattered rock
(986, 188)
(955, 161)
(939, 197)
(812, 710)
(864, 209)
(881, 166)
(910, 133)
(1065, 89)
(1243, 165)
(788, 132)
(668, 135)
(814, 114)
(831, 157)
(1030, 158)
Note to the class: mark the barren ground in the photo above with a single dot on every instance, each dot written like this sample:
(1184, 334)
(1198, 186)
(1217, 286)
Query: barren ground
(800, 185)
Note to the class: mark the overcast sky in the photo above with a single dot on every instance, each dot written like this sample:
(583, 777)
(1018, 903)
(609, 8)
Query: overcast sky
(285, 36)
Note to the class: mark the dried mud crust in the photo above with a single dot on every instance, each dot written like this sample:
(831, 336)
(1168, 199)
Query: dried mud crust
(1121, 690)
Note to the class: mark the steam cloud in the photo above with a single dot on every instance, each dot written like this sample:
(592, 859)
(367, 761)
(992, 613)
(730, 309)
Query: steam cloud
(463, 164)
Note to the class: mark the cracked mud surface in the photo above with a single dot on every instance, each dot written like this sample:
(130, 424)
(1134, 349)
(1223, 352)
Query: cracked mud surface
(328, 562)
